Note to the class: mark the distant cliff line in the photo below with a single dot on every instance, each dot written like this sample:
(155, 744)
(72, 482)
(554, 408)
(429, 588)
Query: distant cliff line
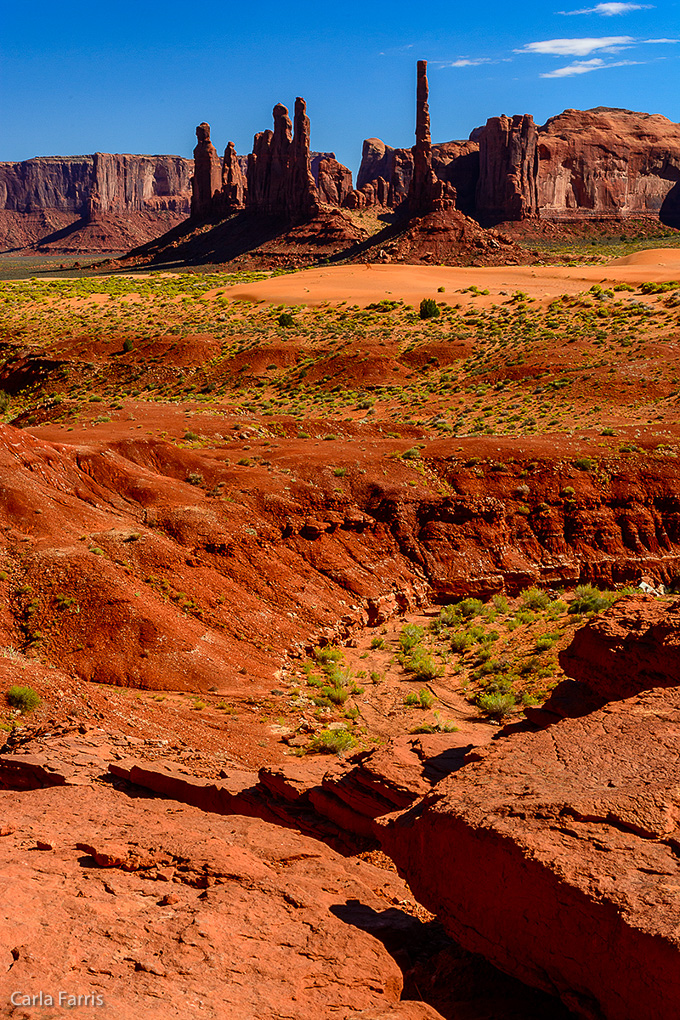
(600, 164)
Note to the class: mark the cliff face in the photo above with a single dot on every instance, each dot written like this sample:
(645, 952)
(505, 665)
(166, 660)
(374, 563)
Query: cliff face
(595, 164)
(508, 165)
(66, 194)
(609, 164)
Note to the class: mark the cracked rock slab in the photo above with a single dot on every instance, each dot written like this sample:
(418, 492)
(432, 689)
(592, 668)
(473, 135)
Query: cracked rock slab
(557, 856)
(167, 913)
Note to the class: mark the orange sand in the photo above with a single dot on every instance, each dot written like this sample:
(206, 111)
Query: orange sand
(365, 284)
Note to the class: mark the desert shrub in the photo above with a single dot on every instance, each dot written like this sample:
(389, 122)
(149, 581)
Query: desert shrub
(468, 608)
(327, 655)
(128, 344)
(195, 478)
(411, 699)
(285, 319)
(534, 598)
(583, 463)
(412, 454)
(460, 641)
(496, 706)
(590, 600)
(544, 642)
(411, 635)
(377, 642)
(449, 616)
(331, 742)
(23, 698)
(429, 309)
(421, 665)
(501, 604)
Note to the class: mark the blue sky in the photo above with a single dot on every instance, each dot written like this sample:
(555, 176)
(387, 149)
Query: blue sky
(138, 77)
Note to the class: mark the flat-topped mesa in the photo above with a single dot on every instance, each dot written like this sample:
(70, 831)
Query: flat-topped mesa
(427, 193)
(207, 179)
(508, 170)
(234, 183)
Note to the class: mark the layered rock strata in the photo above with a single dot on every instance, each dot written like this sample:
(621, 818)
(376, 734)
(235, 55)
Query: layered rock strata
(98, 197)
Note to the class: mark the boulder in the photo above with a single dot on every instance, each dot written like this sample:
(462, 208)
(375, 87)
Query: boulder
(632, 647)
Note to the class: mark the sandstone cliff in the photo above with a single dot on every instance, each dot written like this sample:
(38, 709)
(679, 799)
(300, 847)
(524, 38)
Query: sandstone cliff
(609, 164)
(140, 196)
(596, 164)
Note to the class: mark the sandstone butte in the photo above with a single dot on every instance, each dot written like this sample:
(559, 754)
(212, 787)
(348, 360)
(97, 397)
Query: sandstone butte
(581, 166)
(555, 852)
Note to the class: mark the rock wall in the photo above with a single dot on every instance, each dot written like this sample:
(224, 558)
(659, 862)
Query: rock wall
(609, 164)
(49, 195)
(599, 164)
(508, 164)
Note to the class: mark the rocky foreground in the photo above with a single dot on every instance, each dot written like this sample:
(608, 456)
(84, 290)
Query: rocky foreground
(552, 852)
(555, 854)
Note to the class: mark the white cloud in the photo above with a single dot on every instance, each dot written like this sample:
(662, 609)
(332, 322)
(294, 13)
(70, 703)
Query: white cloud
(466, 62)
(585, 66)
(578, 47)
(610, 9)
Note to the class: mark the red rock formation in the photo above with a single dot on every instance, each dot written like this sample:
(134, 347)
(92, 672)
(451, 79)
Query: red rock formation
(98, 202)
(149, 902)
(508, 165)
(632, 647)
(427, 193)
(609, 164)
(207, 179)
(280, 181)
(334, 182)
(555, 855)
(302, 198)
(234, 182)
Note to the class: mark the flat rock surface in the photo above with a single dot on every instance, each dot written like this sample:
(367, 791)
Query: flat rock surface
(165, 912)
(556, 855)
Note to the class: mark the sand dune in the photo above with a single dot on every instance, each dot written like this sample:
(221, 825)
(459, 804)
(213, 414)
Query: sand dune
(365, 284)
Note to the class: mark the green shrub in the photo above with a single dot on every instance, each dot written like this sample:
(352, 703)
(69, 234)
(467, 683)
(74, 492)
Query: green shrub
(544, 642)
(331, 742)
(128, 345)
(461, 641)
(583, 463)
(420, 664)
(496, 706)
(429, 309)
(411, 635)
(534, 598)
(590, 600)
(377, 642)
(470, 608)
(285, 319)
(23, 698)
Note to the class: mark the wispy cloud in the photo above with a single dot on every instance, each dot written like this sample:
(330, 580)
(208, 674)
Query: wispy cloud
(609, 10)
(466, 62)
(585, 66)
(578, 47)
